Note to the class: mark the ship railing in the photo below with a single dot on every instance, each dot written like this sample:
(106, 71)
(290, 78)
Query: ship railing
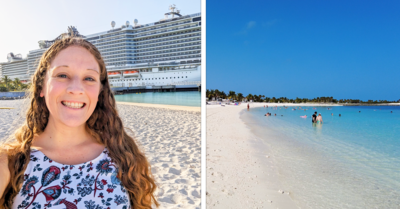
(167, 31)
(178, 18)
(189, 56)
(170, 46)
(119, 41)
(170, 37)
(143, 65)
(136, 47)
(133, 35)
(136, 43)
(174, 51)
(183, 83)
(179, 57)
(165, 26)
(195, 14)
(138, 50)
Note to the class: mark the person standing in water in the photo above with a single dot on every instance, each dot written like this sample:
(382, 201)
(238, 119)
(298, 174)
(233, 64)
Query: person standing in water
(314, 117)
(319, 118)
(248, 106)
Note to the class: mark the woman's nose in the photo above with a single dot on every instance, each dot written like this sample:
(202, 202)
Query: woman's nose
(75, 86)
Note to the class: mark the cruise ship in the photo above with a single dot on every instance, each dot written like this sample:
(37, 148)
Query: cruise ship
(162, 55)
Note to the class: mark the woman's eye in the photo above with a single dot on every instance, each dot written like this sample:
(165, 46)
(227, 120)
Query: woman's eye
(62, 76)
(89, 79)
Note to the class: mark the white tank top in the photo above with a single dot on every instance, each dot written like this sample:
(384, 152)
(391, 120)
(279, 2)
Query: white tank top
(91, 185)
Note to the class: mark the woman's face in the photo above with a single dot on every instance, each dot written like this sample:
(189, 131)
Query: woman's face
(72, 86)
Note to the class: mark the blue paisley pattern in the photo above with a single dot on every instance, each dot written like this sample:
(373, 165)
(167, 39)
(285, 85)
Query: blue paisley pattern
(93, 184)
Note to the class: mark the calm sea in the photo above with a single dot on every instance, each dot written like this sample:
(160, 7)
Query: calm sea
(187, 98)
(352, 161)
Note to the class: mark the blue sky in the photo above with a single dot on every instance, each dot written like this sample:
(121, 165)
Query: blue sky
(24, 23)
(344, 49)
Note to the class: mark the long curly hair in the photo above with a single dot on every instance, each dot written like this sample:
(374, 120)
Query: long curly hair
(104, 125)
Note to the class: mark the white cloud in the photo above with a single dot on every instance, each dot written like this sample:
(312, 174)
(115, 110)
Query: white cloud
(251, 24)
(245, 30)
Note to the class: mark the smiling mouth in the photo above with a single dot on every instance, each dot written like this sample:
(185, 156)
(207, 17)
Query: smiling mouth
(74, 105)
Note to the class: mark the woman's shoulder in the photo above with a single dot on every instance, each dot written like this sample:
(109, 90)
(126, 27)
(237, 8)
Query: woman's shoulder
(3, 158)
(4, 171)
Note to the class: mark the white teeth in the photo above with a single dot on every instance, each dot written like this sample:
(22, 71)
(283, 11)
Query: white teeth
(73, 104)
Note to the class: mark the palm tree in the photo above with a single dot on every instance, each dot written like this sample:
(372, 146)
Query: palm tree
(240, 96)
(232, 95)
(249, 97)
(223, 95)
(217, 94)
(6, 81)
(212, 94)
(17, 84)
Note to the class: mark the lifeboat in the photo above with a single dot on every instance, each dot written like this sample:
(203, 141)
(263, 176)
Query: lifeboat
(131, 73)
(114, 74)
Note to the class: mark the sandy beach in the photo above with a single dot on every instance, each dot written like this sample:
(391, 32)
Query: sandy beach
(241, 171)
(170, 137)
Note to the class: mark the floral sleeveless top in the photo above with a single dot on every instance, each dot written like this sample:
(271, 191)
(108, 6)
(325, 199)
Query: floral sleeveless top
(90, 185)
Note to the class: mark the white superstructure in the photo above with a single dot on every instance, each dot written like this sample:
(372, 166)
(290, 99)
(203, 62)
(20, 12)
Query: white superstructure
(163, 53)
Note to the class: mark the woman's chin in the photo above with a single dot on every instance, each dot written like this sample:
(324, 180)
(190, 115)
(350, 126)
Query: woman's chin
(73, 122)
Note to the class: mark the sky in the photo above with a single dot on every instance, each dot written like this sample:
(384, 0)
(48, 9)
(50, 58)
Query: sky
(24, 23)
(309, 48)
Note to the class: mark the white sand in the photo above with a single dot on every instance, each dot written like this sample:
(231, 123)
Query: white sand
(170, 137)
(241, 172)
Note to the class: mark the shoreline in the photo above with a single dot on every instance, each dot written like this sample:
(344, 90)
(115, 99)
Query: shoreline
(313, 177)
(241, 168)
(313, 104)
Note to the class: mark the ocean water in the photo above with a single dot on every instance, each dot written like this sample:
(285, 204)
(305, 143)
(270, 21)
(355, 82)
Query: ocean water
(186, 98)
(352, 161)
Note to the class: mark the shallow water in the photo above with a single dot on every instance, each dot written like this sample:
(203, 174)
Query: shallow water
(186, 98)
(352, 161)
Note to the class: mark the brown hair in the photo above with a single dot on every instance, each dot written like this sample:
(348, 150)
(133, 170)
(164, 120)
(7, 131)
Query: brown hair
(104, 125)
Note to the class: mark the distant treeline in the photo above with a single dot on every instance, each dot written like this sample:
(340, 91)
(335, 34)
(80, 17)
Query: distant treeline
(216, 94)
(6, 84)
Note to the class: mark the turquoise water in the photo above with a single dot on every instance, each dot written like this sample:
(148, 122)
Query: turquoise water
(186, 98)
(352, 161)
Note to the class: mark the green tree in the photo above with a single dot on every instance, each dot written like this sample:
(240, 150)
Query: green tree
(223, 95)
(17, 84)
(217, 94)
(232, 95)
(249, 97)
(240, 96)
(7, 81)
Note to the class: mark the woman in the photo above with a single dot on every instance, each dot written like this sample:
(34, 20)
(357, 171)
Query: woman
(319, 118)
(73, 148)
